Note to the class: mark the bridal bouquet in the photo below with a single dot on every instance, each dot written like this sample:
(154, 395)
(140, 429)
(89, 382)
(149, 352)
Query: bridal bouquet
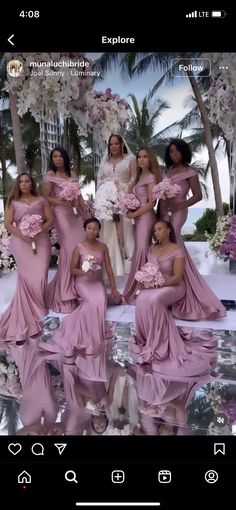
(166, 190)
(91, 262)
(128, 203)
(71, 191)
(150, 276)
(106, 201)
(30, 226)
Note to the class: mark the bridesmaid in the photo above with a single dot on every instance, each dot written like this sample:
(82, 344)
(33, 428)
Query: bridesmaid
(206, 304)
(38, 401)
(148, 174)
(83, 332)
(61, 296)
(163, 402)
(23, 318)
(159, 342)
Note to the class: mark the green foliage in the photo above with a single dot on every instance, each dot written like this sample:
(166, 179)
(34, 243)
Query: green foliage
(205, 224)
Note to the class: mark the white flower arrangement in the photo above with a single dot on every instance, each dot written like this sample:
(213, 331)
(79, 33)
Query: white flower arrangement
(7, 262)
(106, 201)
(9, 377)
(223, 242)
(221, 96)
(107, 111)
(222, 229)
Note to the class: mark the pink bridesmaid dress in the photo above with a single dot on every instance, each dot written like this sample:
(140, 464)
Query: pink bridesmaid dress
(199, 303)
(61, 296)
(77, 419)
(156, 394)
(82, 333)
(142, 237)
(24, 316)
(158, 340)
(38, 396)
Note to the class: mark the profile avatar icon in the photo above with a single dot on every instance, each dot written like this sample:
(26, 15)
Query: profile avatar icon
(15, 68)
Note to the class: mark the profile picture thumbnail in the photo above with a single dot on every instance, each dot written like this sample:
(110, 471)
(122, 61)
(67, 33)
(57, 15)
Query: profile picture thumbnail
(15, 68)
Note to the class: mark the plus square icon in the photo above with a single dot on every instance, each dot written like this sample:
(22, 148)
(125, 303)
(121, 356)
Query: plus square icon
(118, 476)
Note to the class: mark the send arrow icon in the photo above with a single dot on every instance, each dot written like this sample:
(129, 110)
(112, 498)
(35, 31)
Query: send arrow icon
(60, 447)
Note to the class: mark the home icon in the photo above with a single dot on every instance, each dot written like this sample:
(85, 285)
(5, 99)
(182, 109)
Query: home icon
(24, 477)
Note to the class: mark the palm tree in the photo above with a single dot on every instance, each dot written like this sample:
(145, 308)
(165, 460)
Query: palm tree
(142, 123)
(133, 64)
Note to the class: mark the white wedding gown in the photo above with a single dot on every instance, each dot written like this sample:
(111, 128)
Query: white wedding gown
(120, 256)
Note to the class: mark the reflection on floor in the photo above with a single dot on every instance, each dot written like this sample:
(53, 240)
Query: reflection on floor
(196, 408)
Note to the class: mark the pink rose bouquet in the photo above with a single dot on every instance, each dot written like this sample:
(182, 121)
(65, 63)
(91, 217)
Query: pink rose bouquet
(150, 276)
(166, 190)
(128, 203)
(30, 226)
(71, 191)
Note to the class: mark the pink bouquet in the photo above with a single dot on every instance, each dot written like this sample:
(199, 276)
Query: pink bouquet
(71, 191)
(165, 190)
(91, 262)
(150, 276)
(128, 203)
(30, 226)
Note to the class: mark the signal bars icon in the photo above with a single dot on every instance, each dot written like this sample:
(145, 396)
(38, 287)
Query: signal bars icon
(193, 14)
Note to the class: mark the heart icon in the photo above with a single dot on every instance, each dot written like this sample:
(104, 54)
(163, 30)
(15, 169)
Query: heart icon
(14, 448)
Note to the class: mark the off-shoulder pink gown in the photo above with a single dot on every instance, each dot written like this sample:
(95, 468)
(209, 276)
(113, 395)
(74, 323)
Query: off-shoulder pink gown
(199, 303)
(142, 236)
(24, 316)
(61, 295)
(158, 340)
(82, 334)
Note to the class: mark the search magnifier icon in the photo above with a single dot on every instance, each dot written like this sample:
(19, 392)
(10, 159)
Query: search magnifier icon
(70, 476)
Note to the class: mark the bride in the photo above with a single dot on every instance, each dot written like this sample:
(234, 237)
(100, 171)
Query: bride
(118, 165)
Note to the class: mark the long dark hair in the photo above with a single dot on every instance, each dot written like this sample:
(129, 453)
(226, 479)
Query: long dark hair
(172, 236)
(123, 147)
(65, 157)
(184, 149)
(15, 192)
(154, 166)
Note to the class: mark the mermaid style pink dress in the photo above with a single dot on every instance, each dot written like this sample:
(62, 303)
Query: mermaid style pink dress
(156, 393)
(142, 237)
(82, 333)
(61, 296)
(38, 396)
(23, 317)
(158, 340)
(199, 303)
(77, 419)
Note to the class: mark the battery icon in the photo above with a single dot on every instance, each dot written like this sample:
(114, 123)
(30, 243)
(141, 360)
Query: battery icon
(218, 14)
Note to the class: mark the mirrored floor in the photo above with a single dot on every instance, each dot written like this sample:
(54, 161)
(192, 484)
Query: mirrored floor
(109, 394)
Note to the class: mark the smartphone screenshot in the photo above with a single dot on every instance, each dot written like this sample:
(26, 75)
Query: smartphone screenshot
(117, 258)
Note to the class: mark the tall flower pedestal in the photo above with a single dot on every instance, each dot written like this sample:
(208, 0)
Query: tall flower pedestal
(232, 266)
